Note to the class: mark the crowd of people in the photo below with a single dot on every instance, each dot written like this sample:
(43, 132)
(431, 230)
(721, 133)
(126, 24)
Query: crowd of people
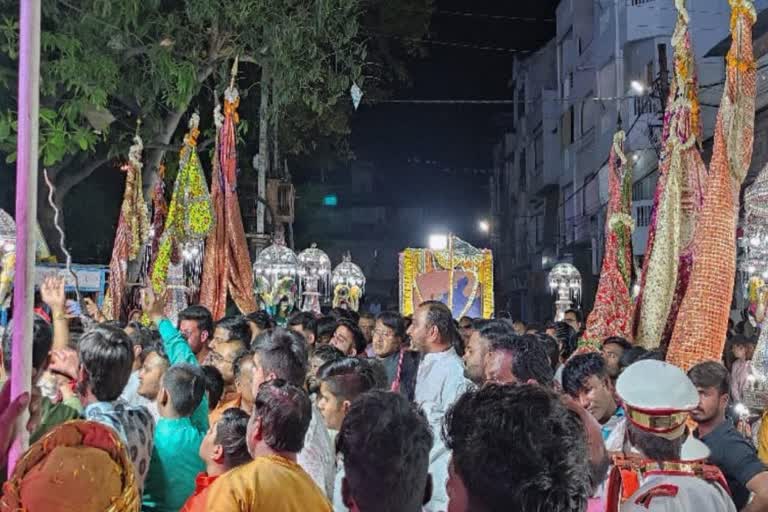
(349, 412)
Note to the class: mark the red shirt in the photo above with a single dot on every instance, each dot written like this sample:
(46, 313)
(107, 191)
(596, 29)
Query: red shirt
(196, 502)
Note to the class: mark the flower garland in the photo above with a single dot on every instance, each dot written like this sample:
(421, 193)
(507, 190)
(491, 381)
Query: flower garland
(190, 213)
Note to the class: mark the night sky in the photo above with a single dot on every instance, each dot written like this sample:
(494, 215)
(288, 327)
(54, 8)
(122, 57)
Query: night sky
(456, 136)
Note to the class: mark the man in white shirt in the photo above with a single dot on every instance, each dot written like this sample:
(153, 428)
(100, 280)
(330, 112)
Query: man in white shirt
(439, 382)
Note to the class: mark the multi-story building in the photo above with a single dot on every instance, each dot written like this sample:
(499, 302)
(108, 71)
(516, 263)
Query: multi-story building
(610, 61)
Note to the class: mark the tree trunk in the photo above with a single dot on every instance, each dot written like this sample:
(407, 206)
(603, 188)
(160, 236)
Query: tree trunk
(263, 162)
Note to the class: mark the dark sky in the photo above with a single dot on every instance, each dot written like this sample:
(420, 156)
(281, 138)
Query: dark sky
(455, 136)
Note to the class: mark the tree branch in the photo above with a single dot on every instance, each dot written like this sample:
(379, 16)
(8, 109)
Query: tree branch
(67, 181)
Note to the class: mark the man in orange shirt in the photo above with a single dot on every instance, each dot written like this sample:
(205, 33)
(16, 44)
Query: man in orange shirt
(273, 481)
(223, 448)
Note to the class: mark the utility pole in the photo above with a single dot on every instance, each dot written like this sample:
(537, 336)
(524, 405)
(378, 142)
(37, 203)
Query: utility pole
(26, 213)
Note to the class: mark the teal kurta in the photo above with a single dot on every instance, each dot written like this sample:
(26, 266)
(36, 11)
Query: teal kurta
(175, 460)
(174, 465)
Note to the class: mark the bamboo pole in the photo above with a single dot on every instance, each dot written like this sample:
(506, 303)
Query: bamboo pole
(26, 208)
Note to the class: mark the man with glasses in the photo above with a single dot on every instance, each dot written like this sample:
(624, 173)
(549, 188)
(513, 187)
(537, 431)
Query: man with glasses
(229, 341)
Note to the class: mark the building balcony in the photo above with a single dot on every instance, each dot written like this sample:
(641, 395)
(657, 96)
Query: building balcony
(649, 18)
(641, 214)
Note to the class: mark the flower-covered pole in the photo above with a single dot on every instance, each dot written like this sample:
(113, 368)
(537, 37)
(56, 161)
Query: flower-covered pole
(26, 207)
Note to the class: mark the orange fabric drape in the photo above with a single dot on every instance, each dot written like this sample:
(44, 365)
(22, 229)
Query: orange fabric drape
(227, 265)
(702, 321)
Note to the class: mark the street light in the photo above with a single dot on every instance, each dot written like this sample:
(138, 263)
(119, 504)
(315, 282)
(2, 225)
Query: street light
(638, 87)
(484, 226)
(438, 242)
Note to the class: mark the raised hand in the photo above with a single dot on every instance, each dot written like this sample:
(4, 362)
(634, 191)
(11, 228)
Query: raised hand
(52, 293)
(153, 305)
(65, 362)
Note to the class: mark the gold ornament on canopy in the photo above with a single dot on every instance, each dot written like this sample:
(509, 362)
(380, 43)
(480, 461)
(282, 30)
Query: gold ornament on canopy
(460, 276)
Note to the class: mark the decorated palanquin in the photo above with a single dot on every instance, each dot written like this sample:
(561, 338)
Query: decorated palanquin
(276, 282)
(612, 312)
(460, 276)
(348, 282)
(707, 302)
(677, 203)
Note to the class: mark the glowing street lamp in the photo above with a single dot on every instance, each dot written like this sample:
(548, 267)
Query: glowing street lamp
(638, 87)
(438, 242)
(484, 226)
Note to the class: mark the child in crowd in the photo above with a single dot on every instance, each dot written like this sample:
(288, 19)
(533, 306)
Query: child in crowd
(175, 461)
(224, 447)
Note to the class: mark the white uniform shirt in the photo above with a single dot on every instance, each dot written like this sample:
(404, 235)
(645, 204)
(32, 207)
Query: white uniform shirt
(681, 494)
(439, 382)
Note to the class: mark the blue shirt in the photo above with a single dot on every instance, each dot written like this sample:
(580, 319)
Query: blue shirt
(611, 424)
(174, 465)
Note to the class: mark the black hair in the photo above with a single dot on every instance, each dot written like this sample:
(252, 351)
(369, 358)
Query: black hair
(441, 317)
(492, 331)
(580, 368)
(283, 352)
(141, 336)
(262, 320)
(632, 356)
(741, 341)
(285, 412)
(185, 384)
(237, 327)
(201, 315)
(306, 320)
(328, 353)
(385, 441)
(537, 328)
(341, 313)
(617, 340)
(536, 428)
(550, 347)
(567, 337)
(158, 348)
(214, 385)
(655, 447)
(357, 335)
(241, 357)
(529, 361)
(106, 354)
(394, 321)
(231, 434)
(326, 326)
(654, 355)
(578, 314)
(710, 374)
(347, 378)
(42, 342)
(367, 315)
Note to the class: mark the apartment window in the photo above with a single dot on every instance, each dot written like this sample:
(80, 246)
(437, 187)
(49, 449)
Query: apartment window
(579, 45)
(523, 172)
(521, 101)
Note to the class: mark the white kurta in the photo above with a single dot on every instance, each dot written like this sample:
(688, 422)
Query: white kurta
(439, 382)
(317, 457)
(692, 495)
